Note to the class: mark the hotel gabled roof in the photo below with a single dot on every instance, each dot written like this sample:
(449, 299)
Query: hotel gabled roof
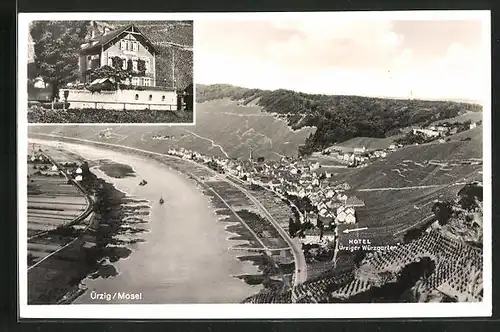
(96, 43)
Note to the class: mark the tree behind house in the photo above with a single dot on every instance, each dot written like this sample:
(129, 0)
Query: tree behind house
(57, 45)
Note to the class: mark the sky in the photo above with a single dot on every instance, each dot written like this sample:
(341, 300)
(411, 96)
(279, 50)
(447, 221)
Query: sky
(427, 59)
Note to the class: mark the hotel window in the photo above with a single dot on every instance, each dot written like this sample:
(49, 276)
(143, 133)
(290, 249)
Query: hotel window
(135, 80)
(134, 46)
(122, 44)
(136, 96)
(134, 64)
(162, 98)
(110, 61)
(147, 81)
(150, 97)
(124, 64)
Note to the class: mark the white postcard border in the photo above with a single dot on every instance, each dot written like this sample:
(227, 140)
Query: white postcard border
(232, 311)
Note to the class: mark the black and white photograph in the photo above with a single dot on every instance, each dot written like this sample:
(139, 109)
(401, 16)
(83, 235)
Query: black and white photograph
(340, 159)
(89, 71)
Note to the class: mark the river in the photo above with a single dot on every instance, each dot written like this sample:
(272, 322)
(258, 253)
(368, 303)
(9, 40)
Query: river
(185, 256)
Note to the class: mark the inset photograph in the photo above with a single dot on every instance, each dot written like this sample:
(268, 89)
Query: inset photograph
(110, 72)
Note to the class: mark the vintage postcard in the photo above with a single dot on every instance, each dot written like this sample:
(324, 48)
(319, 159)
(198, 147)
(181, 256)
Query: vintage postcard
(109, 71)
(339, 165)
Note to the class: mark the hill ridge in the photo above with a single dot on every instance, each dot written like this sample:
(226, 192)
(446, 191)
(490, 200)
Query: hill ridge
(338, 118)
(238, 87)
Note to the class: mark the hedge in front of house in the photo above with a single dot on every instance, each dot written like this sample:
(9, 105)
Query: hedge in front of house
(91, 115)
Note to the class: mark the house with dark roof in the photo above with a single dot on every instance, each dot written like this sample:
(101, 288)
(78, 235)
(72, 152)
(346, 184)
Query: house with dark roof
(129, 45)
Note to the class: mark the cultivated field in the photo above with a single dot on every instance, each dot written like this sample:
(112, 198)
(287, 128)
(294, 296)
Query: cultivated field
(449, 275)
(52, 202)
(270, 296)
(319, 290)
(370, 143)
(475, 134)
(236, 199)
(280, 210)
(438, 163)
(379, 276)
(61, 156)
(247, 211)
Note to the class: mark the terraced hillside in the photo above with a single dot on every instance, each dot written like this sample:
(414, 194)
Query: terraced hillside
(338, 118)
(55, 205)
(381, 277)
(222, 128)
(398, 191)
(174, 40)
(52, 202)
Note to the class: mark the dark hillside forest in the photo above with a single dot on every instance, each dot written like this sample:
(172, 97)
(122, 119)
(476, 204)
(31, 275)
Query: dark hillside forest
(338, 118)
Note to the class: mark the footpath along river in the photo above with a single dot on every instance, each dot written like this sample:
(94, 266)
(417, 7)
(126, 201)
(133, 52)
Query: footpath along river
(185, 256)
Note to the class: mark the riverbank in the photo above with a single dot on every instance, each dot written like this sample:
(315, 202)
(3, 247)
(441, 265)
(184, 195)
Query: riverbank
(263, 271)
(117, 230)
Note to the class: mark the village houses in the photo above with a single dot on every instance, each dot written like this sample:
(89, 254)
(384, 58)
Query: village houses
(127, 45)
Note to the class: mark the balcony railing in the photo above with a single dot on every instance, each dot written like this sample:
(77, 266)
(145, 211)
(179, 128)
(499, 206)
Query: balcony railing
(149, 74)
